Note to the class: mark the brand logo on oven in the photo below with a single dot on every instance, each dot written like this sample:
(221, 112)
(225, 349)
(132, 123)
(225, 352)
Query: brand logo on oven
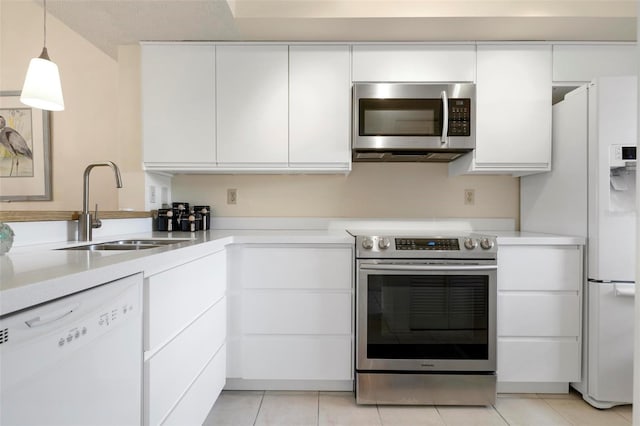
(427, 365)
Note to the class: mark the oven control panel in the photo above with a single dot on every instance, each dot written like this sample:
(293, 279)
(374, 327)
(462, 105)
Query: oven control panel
(469, 246)
(427, 244)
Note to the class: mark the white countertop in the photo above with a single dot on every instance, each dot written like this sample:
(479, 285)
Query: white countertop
(34, 274)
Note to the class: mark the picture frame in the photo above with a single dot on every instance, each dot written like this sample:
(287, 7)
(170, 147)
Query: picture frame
(25, 151)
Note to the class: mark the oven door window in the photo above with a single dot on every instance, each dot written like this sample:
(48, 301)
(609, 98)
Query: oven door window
(428, 317)
(400, 117)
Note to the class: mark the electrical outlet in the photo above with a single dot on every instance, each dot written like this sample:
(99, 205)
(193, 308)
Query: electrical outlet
(469, 197)
(232, 196)
(152, 194)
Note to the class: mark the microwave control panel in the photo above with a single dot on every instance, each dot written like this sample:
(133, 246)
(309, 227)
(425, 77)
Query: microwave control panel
(459, 117)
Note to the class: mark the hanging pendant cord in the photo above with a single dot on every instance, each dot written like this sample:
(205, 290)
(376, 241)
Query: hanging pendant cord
(45, 22)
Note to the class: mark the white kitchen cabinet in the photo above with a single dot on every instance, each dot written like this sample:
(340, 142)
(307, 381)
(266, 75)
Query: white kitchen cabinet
(185, 320)
(252, 114)
(178, 105)
(539, 317)
(414, 63)
(290, 317)
(319, 107)
(513, 111)
(581, 63)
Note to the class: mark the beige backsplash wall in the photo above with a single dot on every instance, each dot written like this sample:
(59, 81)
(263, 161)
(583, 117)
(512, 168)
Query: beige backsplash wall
(388, 190)
(99, 121)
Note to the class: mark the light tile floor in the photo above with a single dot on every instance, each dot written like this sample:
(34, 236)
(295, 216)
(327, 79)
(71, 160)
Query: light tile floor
(248, 408)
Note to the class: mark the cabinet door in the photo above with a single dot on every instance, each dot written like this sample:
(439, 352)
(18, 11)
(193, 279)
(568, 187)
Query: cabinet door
(252, 113)
(584, 62)
(297, 357)
(412, 63)
(171, 372)
(186, 292)
(295, 268)
(513, 106)
(540, 268)
(178, 104)
(539, 360)
(319, 106)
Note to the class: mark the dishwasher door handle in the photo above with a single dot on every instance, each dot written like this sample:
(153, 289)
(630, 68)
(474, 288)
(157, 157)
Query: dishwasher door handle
(54, 316)
(396, 267)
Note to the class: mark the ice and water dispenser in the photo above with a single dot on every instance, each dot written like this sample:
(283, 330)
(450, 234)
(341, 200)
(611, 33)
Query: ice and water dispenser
(622, 178)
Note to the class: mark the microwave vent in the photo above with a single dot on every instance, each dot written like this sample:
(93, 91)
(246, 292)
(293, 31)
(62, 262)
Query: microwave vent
(406, 156)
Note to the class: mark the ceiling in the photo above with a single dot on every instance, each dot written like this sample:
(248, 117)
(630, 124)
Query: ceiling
(110, 23)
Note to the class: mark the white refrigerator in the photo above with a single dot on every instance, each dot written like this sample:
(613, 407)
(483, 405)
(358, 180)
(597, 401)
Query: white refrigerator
(591, 192)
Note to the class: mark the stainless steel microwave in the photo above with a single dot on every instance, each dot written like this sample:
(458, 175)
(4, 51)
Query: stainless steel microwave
(413, 122)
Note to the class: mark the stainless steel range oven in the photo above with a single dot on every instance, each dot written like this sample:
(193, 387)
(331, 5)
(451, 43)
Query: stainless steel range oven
(426, 320)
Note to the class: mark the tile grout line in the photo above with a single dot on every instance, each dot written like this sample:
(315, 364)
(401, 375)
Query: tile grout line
(259, 408)
(500, 414)
(568, 420)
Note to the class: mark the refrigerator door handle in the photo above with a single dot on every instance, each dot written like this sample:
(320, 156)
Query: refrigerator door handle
(622, 290)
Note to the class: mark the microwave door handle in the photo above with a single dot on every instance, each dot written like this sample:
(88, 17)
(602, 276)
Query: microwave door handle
(445, 118)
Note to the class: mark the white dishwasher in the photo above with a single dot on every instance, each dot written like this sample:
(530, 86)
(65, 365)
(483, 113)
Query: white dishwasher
(76, 360)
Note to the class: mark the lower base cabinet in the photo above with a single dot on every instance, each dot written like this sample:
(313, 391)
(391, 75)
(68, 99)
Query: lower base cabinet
(539, 318)
(290, 317)
(195, 405)
(185, 341)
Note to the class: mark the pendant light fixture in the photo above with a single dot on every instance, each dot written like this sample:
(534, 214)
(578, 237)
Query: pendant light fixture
(42, 88)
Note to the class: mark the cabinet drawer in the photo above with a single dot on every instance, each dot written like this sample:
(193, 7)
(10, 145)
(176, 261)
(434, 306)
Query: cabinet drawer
(171, 371)
(285, 312)
(272, 267)
(196, 404)
(538, 314)
(176, 297)
(297, 358)
(539, 360)
(539, 268)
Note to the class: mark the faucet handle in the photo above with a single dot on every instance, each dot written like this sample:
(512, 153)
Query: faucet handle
(96, 223)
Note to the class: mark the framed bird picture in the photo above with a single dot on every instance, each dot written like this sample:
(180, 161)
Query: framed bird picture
(25, 151)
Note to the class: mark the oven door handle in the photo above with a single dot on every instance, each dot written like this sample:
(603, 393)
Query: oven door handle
(396, 267)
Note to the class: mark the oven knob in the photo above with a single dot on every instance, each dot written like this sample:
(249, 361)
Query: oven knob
(367, 243)
(486, 243)
(384, 243)
(470, 243)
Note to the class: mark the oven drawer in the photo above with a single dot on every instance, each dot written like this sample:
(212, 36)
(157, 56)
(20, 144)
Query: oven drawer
(531, 314)
(538, 360)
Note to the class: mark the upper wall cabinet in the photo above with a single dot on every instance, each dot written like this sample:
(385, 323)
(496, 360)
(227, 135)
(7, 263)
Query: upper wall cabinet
(579, 63)
(253, 105)
(513, 111)
(246, 108)
(319, 106)
(404, 63)
(178, 105)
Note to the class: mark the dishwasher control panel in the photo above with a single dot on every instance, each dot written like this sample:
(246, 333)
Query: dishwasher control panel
(72, 320)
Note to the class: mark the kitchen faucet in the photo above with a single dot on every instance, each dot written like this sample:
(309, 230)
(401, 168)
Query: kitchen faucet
(87, 221)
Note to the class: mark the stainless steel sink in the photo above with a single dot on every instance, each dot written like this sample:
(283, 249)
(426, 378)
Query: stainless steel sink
(134, 244)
